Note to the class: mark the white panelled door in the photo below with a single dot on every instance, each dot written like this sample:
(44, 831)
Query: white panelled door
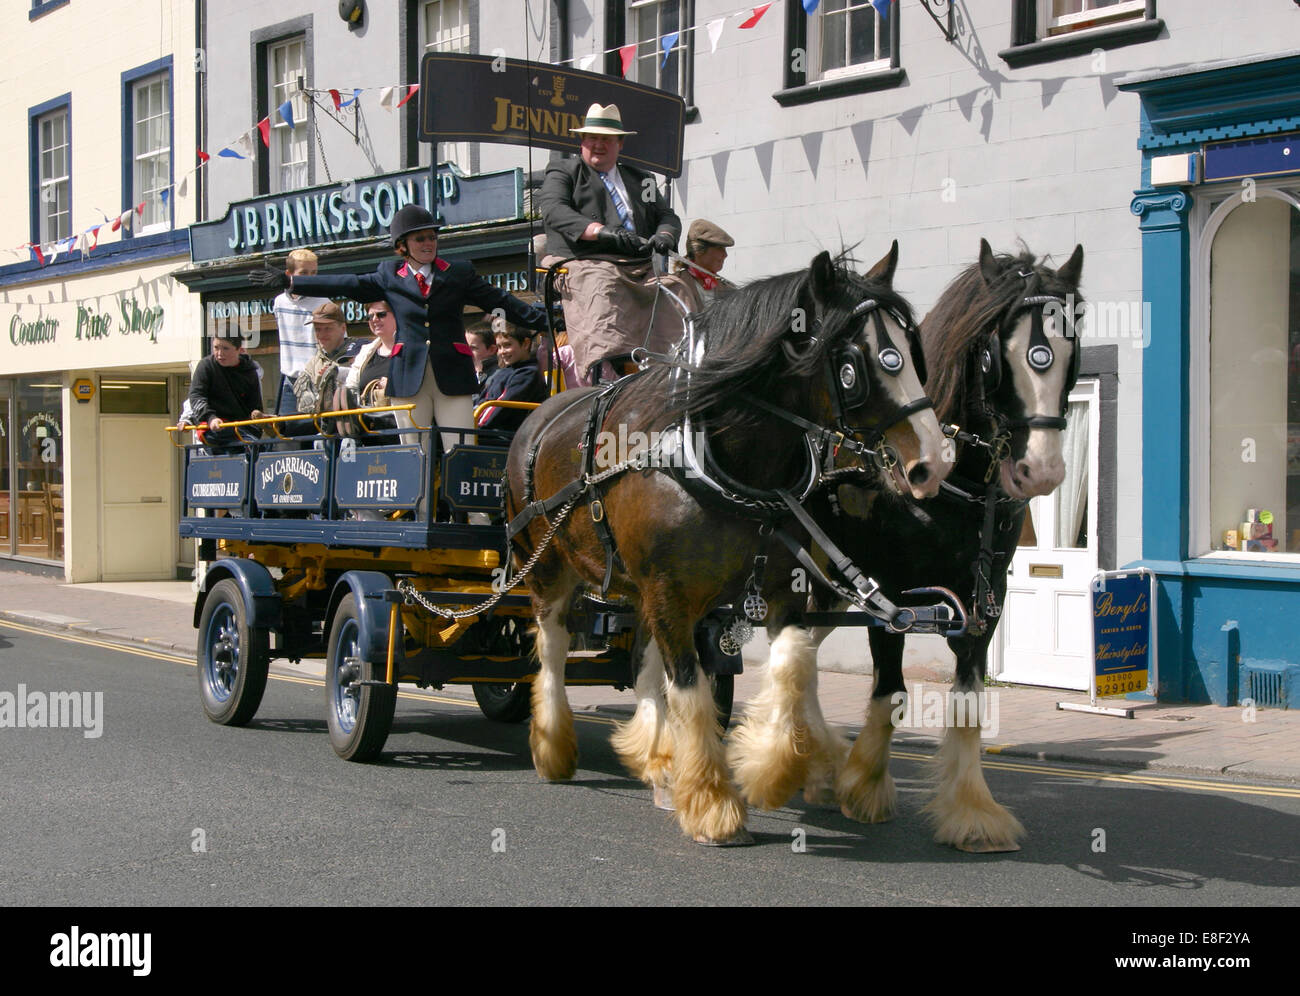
(1043, 637)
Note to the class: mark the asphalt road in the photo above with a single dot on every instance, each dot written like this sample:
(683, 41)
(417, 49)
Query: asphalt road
(166, 808)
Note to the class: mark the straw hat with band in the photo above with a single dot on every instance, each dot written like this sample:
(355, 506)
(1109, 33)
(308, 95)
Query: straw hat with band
(603, 121)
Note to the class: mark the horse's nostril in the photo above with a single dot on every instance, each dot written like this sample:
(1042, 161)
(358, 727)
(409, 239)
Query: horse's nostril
(919, 474)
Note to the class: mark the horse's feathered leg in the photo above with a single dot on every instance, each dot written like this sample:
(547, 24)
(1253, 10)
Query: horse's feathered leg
(551, 736)
(865, 787)
(771, 748)
(709, 809)
(644, 743)
(965, 813)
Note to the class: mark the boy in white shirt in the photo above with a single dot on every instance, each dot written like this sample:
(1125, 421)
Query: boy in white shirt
(297, 338)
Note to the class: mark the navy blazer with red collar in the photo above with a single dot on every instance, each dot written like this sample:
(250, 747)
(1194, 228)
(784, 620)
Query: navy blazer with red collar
(427, 327)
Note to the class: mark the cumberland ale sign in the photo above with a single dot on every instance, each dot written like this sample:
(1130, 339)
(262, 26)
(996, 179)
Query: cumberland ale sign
(478, 98)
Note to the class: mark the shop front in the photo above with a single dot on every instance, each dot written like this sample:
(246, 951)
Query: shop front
(1219, 212)
(91, 372)
(346, 225)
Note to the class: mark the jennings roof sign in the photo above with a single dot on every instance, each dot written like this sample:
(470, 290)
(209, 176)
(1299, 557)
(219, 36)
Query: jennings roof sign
(478, 98)
(356, 211)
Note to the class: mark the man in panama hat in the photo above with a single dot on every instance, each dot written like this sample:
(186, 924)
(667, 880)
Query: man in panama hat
(595, 208)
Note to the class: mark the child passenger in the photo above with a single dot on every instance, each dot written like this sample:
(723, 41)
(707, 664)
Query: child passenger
(517, 378)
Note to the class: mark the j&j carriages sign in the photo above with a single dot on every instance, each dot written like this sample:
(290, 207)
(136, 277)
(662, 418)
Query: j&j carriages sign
(356, 211)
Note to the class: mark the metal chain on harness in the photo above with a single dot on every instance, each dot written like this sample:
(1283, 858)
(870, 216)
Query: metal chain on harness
(413, 597)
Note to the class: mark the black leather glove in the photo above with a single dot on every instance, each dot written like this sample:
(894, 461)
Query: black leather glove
(623, 242)
(662, 242)
(269, 277)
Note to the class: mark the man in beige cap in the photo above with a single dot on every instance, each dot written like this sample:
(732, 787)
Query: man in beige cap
(706, 251)
(596, 207)
(314, 387)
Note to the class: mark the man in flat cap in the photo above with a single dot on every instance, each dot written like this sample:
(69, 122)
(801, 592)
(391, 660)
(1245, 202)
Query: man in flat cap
(595, 208)
(706, 251)
(314, 387)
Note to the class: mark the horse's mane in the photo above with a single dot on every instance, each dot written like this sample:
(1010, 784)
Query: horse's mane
(965, 311)
(748, 341)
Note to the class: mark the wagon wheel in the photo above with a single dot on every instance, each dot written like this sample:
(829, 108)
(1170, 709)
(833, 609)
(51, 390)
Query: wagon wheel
(501, 701)
(359, 715)
(233, 657)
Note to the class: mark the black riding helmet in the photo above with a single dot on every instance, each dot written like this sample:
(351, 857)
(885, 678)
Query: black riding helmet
(411, 218)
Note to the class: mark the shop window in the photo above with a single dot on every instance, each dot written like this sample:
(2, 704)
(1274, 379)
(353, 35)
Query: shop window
(147, 145)
(51, 146)
(286, 74)
(844, 47)
(444, 26)
(1058, 17)
(38, 467)
(1254, 377)
(133, 397)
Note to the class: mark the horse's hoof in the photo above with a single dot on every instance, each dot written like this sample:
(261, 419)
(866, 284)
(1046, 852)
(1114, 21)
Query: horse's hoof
(883, 816)
(741, 838)
(664, 798)
(987, 847)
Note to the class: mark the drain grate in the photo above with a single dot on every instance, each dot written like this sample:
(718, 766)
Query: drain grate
(1269, 683)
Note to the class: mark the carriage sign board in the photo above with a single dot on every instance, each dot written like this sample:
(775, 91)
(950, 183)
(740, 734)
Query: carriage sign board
(380, 477)
(216, 481)
(472, 478)
(1123, 632)
(291, 479)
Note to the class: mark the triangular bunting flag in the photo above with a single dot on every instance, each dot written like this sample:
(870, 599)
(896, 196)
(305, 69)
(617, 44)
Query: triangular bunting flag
(337, 98)
(183, 185)
(125, 219)
(36, 251)
(230, 154)
(264, 126)
(810, 6)
(203, 156)
(117, 223)
(415, 88)
(386, 97)
(585, 62)
(165, 194)
(754, 18)
(94, 236)
(353, 99)
(286, 115)
(139, 209)
(245, 143)
(666, 43)
(626, 53)
(882, 7)
(715, 32)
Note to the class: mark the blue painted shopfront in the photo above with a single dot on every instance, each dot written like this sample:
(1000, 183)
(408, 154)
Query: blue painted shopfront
(1216, 613)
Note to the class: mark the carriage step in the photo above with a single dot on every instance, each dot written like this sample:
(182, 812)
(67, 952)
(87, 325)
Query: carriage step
(372, 682)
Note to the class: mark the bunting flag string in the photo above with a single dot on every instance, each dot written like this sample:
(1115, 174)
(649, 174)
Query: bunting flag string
(243, 147)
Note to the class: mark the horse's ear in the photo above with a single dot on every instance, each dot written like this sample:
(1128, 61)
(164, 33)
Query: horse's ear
(883, 271)
(988, 266)
(821, 276)
(1073, 268)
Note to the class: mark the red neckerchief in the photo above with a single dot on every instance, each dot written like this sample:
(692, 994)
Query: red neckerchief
(707, 281)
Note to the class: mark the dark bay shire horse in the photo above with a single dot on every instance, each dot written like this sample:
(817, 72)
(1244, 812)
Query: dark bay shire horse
(732, 421)
(1002, 363)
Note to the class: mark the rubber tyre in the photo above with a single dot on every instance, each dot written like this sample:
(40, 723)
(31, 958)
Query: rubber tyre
(359, 719)
(233, 658)
(504, 703)
(723, 687)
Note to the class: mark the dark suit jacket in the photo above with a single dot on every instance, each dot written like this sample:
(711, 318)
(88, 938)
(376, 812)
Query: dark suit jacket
(429, 327)
(573, 196)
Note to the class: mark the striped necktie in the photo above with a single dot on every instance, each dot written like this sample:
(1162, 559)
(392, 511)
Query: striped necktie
(624, 215)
